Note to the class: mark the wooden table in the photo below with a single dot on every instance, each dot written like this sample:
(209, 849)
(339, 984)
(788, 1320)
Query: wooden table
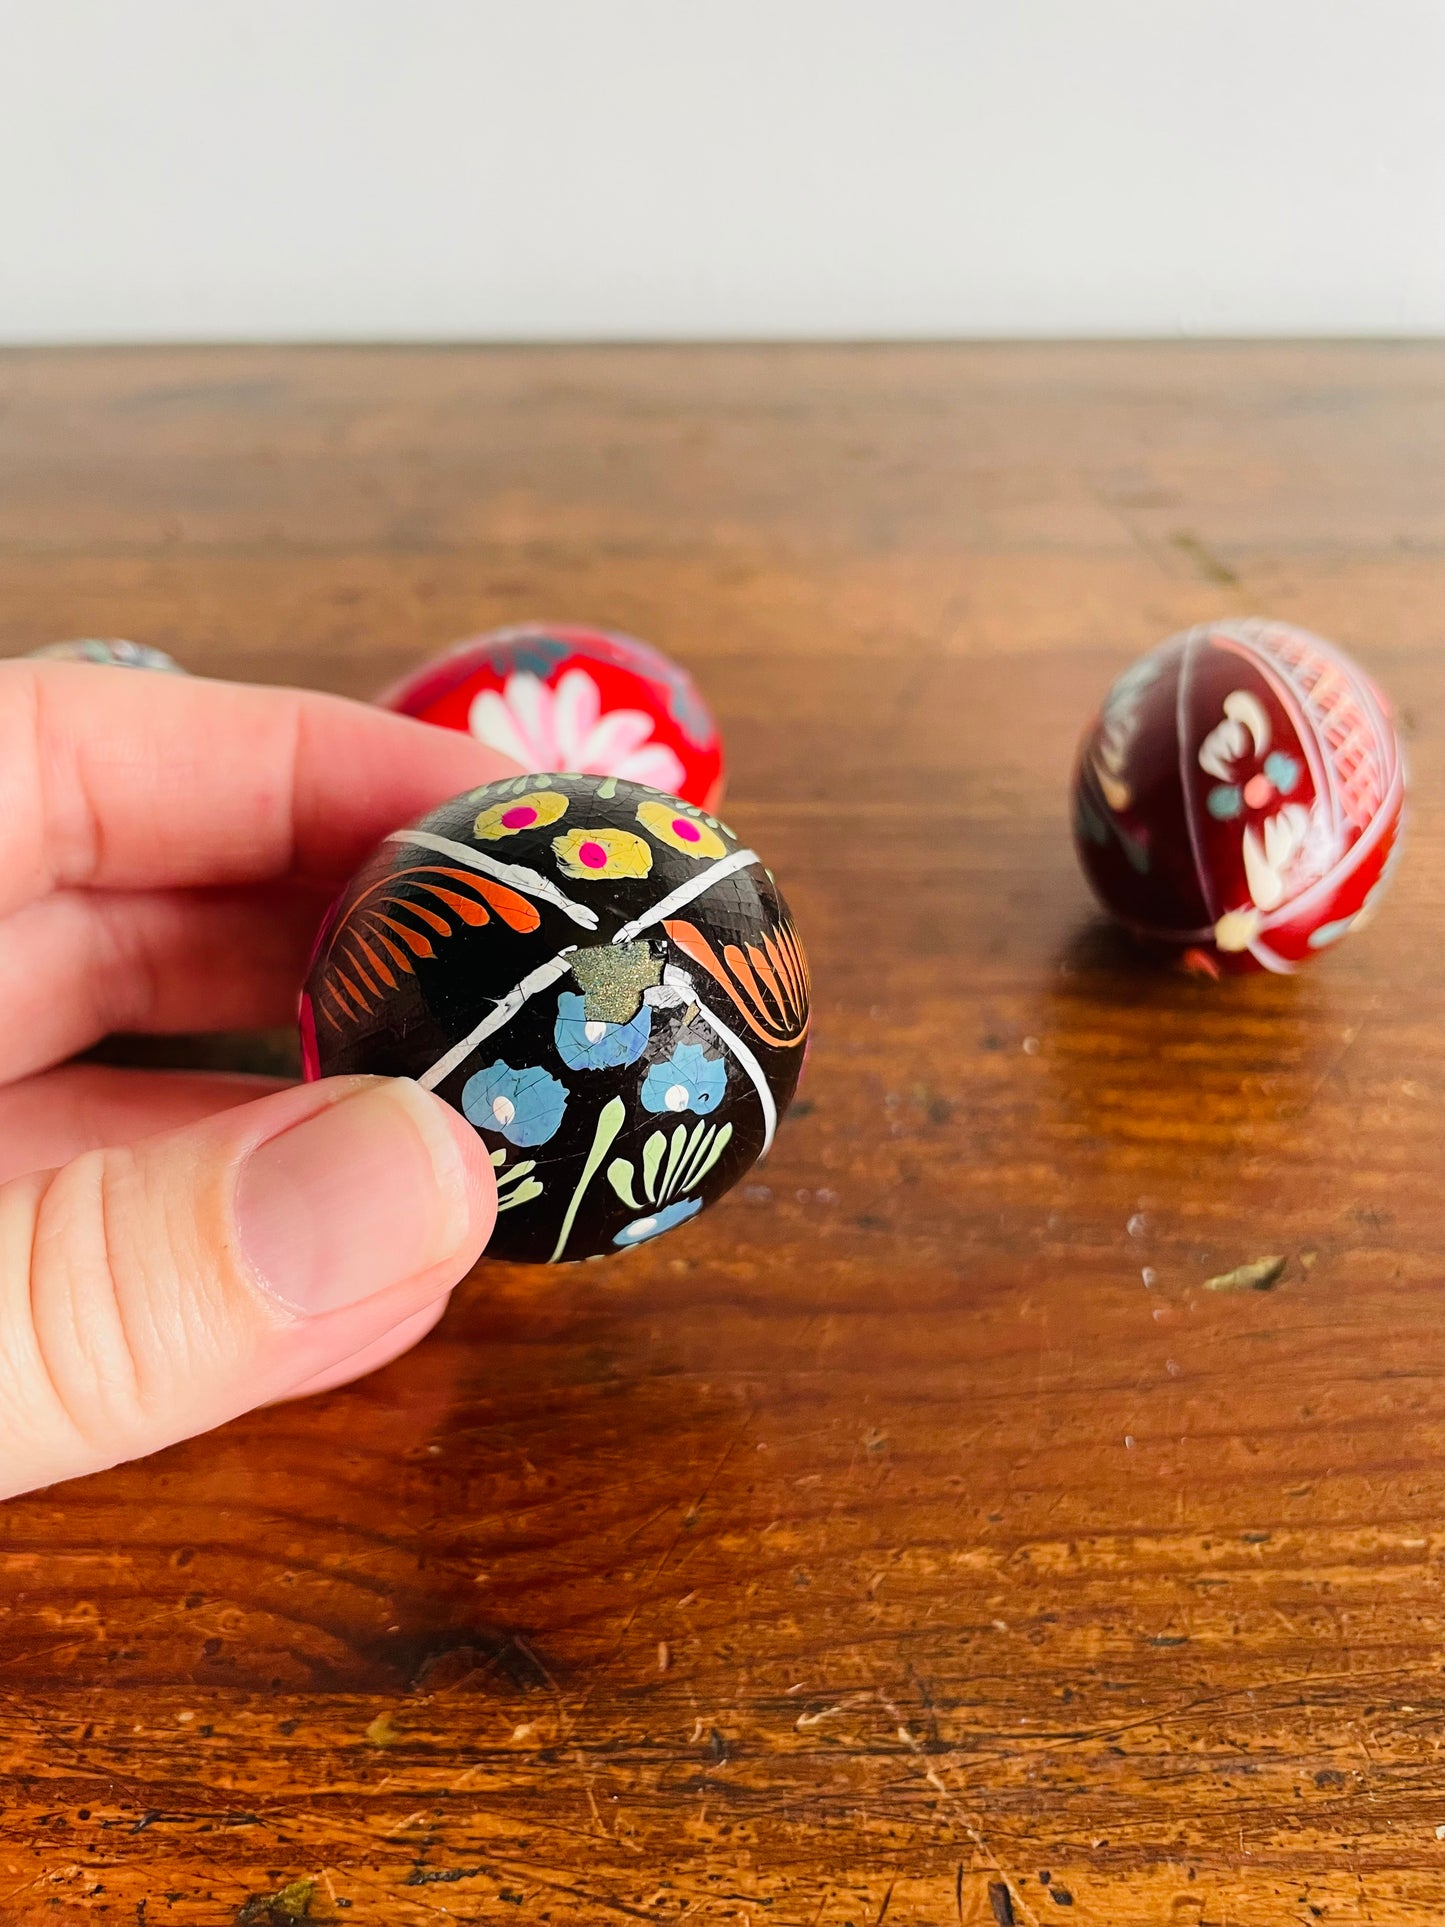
(914, 1539)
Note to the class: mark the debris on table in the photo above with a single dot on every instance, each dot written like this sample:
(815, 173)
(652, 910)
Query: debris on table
(1261, 1274)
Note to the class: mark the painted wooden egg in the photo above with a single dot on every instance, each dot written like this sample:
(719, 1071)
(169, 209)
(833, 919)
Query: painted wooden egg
(559, 697)
(114, 651)
(1241, 795)
(597, 976)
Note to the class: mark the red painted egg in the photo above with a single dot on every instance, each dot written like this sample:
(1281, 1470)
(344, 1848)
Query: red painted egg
(1240, 796)
(571, 700)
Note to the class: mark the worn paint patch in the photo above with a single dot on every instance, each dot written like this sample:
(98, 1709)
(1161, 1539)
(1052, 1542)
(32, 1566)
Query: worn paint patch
(613, 977)
(1261, 1274)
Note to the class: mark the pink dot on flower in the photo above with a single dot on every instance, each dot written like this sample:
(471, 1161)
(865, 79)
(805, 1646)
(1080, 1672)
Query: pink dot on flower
(519, 818)
(1257, 791)
(593, 855)
(689, 832)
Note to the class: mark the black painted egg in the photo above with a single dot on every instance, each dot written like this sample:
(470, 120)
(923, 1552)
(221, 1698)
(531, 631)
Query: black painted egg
(597, 976)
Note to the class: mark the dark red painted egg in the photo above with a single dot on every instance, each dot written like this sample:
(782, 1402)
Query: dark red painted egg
(572, 700)
(1240, 796)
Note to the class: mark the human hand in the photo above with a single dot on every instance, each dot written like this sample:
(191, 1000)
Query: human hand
(176, 1247)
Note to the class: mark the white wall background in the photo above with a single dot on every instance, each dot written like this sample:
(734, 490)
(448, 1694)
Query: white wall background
(600, 168)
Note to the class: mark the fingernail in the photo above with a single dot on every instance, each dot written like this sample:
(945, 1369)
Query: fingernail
(373, 1191)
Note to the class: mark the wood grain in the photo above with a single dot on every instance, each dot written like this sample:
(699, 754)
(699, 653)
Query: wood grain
(916, 1538)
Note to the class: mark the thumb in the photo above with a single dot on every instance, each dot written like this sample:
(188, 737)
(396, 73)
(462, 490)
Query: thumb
(154, 1290)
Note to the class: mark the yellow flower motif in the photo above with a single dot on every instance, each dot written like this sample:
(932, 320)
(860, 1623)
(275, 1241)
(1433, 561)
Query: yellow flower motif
(602, 853)
(1237, 929)
(674, 826)
(529, 812)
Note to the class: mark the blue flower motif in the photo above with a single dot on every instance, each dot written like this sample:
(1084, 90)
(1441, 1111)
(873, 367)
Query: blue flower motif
(641, 1229)
(521, 649)
(685, 707)
(689, 1080)
(1225, 802)
(594, 1046)
(1283, 771)
(524, 1106)
(1089, 826)
(1329, 933)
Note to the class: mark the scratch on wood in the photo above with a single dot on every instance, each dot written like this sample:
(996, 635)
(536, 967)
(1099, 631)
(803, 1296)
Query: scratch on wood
(805, 1720)
(581, 1760)
(952, 1800)
(1204, 559)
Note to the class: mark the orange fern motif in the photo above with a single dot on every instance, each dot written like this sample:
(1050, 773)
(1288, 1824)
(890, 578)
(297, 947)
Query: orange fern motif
(767, 984)
(388, 927)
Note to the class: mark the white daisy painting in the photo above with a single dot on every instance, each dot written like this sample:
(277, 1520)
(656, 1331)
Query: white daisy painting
(566, 729)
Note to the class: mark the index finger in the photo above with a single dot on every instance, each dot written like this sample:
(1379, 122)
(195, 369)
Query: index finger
(119, 780)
